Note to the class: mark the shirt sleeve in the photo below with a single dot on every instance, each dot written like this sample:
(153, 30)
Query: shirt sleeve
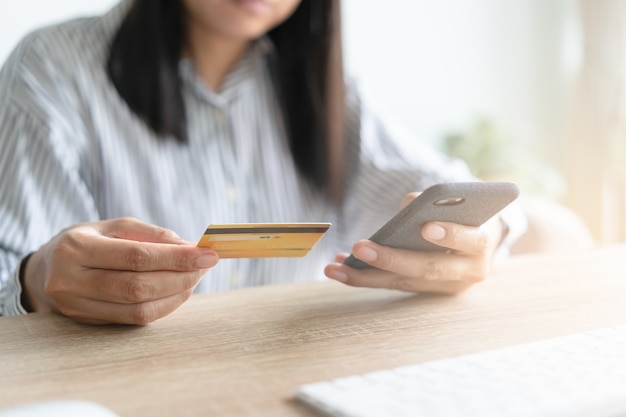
(41, 177)
(385, 162)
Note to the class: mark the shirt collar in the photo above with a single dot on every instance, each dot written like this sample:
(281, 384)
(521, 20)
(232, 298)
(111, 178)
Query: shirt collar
(236, 81)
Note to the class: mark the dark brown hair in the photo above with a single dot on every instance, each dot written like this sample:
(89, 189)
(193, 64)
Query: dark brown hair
(143, 65)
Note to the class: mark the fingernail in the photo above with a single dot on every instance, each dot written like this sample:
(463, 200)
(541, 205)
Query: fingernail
(337, 276)
(366, 254)
(435, 232)
(206, 261)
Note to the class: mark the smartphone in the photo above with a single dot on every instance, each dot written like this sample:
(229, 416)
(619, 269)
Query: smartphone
(467, 203)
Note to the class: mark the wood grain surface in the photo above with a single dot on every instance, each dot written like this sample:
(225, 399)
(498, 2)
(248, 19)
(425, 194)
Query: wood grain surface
(244, 353)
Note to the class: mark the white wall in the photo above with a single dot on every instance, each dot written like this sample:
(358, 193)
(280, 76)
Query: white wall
(442, 64)
(430, 61)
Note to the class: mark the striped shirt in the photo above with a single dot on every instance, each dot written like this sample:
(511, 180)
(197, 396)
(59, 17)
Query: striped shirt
(72, 152)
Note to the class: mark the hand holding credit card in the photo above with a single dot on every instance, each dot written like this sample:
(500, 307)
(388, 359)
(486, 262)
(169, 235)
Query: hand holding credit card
(262, 240)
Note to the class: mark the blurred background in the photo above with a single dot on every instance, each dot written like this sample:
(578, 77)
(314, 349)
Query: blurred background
(531, 91)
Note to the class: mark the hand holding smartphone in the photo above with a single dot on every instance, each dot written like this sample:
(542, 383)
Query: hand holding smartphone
(466, 203)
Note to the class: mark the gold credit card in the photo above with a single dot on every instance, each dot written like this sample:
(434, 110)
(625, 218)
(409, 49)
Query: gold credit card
(262, 240)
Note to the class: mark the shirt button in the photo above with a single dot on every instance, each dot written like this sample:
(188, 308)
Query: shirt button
(219, 115)
(235, 280)
(231, 194)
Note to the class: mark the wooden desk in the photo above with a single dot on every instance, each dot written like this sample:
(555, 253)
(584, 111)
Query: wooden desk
(246, 352)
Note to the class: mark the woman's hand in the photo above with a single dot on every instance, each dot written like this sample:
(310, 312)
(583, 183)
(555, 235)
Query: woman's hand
(466, 262)
(115, 271)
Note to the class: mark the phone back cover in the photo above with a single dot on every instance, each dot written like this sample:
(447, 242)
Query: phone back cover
(480, 202)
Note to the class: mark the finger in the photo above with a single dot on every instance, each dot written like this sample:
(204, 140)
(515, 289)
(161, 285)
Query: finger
(374, 278)
(100, 312)
(341, 257)
(427, 265)
(132, 287)
(101, 252)
(465, 239)
(133, 229)
(408, 198)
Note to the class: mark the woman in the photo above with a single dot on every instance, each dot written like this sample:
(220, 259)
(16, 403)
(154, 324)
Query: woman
(168, 115)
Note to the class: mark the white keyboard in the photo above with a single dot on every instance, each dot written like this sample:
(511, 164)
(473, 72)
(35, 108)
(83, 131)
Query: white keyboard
(579, 375)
